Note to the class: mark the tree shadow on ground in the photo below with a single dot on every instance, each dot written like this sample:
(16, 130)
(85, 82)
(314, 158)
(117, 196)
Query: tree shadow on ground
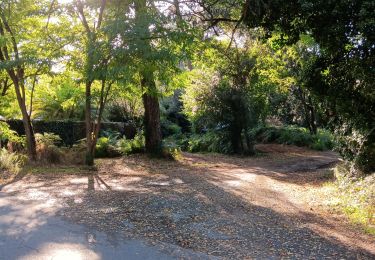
(190, 204)
(16, 178)
(185, 205)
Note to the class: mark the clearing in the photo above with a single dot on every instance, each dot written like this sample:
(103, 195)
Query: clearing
(201, 206)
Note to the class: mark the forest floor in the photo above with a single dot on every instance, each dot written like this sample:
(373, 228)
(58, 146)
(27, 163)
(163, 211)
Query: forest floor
(201, 206)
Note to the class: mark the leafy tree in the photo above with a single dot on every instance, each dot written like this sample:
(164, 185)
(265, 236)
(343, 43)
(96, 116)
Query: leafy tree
(150, 46)
(60, 98)
(19, 20)
(225, 93)
(94, 66)
(341, 74)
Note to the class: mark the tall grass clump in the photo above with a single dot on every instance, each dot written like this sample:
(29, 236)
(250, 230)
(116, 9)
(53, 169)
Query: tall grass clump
(11, 162)
(356, 196)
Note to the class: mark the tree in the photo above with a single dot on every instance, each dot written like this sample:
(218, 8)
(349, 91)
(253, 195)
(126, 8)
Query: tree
(342, 73)
(224, 93)
(150, 47)
(15, 63)
(95, 68)
(29, 44)
(150, 97)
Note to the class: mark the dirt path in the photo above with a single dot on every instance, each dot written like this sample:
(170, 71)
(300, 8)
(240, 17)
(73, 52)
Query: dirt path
(203, 205)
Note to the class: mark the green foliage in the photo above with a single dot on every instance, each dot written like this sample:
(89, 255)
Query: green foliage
(171, 150)
(358, 146)
(356, 196)
(105, 147)
(173, 121)
(71, 131)
(215, 142)
(59, 99)
(6, 134)
(48, 139)
(130, 146)
(12, 162)
(47, 149)
(225, 93)
(293, 135)
(342, 72)
(168, 128)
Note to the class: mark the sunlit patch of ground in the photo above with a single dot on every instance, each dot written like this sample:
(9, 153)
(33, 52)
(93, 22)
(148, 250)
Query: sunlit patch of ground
(227, 206)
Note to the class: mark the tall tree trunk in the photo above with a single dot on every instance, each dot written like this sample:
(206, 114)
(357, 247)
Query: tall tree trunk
(151, 117)
(29, 131)
(314, 128)
(91, 38)
(89, 147)
(17, 76)
(150, 98)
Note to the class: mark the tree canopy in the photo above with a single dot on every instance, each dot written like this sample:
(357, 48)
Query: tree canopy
(204, 66)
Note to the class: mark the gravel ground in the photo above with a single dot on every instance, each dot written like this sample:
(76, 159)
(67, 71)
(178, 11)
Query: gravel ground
(214, 205)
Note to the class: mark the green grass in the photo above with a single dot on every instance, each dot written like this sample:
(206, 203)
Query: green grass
(354, 197)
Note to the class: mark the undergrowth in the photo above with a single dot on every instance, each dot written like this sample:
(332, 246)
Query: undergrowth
(11, 162)
(293, 135)
(354, 196)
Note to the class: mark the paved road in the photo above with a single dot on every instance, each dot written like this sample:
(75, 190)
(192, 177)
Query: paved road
(29, 230)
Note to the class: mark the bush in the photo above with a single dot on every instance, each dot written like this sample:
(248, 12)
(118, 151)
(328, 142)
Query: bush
(293, 135)
(71, 131)
(105, 148)
(209, 142)
(169, 128)
(356, 196)
(130, 146)
(47, 148)
(358, 147)
(323, 140)
(11, 162)
(75, 154)
(179, 140)
(10, 136)
(171, 150)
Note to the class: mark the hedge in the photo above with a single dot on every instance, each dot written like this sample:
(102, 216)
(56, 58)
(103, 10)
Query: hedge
(71, 131)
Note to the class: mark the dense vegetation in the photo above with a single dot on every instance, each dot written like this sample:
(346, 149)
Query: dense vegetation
(200, 76)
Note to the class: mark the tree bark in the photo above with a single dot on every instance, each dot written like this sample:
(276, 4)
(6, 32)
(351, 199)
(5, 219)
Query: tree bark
(314, 128)
(17, 76)
(91, 135)
(89, 147)
(150, 99)
(151, 117)
(29, 131)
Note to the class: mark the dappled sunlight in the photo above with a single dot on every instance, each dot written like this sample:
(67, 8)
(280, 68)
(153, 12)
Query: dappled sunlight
(22, 218)
(63, 251)
(200, 201)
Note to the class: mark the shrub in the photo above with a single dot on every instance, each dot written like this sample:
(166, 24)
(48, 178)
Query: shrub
(209, 142)
(356, 196)
(179, 140)
(323, 140)
(10, 136)
(169, 128)
(71, 131)
(11, 162)
(105, 148)
(293, 135)
(171, 150)
(75, 154)
(130, 146)
(47, 149)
